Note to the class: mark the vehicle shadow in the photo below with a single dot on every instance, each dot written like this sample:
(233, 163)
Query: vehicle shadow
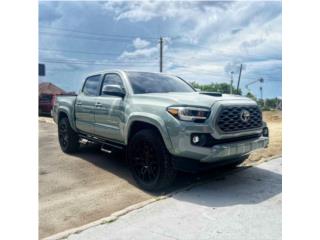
(252, 186)
(217, 187)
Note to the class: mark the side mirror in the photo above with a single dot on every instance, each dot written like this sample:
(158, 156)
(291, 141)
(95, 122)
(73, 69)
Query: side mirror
(114, 90)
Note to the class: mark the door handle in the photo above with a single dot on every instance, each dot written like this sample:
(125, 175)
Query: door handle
(79, 103)
(98, 104)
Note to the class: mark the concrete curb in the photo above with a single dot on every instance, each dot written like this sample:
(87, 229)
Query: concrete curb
(262, 160)
(114, 216)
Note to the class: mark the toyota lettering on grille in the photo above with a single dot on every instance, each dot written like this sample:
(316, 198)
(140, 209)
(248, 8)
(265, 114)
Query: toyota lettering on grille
(244, 115)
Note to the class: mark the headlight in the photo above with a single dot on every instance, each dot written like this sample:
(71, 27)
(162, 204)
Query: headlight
(191, 114)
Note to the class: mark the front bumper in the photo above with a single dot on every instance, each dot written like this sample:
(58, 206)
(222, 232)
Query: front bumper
(218, 155)
(218, 152)
(229, 150)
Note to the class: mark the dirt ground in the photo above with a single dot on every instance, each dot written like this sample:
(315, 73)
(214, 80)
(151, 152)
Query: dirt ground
(81, 188)
(274, 122)
(77, 189)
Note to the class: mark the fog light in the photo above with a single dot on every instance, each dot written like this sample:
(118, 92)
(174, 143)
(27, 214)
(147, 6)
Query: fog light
(198, 139)
(265, 132)
(195, 139)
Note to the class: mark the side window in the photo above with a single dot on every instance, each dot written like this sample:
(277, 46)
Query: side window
(91, 86)
(112, 79)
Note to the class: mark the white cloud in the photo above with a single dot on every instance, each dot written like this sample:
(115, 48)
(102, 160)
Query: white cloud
(140, 53)
(140, 43)
(202, 39)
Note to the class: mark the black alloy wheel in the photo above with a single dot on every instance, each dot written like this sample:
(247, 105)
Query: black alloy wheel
(145, 163)
(68, 138)
(63, 134)
(149, 160)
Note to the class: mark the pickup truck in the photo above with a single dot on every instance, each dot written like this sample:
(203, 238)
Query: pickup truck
(161, 122)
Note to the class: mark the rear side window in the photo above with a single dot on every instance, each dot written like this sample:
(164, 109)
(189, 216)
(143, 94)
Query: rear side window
(91, 86)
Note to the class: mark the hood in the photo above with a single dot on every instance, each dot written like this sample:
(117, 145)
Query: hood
(190, 98)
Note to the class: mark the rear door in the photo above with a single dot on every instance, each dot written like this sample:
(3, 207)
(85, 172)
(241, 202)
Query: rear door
(109, 112)
(85, 104)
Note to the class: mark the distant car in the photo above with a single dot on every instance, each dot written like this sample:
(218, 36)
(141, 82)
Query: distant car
(46, 102)
(162, 123)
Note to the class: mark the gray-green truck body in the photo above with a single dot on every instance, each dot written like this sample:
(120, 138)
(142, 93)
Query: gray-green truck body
(203, 127)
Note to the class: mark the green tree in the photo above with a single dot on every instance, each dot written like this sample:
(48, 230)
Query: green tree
(272, 103)
(250, 95)
(215, 87)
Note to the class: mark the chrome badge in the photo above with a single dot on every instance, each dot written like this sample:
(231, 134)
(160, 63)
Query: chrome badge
(244, 115)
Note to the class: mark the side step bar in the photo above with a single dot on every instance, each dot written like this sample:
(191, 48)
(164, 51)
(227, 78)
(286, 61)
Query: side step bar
(105, 150)
(105, 143)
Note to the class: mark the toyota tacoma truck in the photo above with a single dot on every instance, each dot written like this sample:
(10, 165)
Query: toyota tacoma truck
(161, 122)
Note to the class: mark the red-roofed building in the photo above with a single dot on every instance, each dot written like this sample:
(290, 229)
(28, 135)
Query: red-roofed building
(50, 88)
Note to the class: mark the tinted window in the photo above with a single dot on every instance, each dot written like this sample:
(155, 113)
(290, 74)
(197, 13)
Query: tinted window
(143, 82)
(45, 97)
(112, 79)
(91, 87)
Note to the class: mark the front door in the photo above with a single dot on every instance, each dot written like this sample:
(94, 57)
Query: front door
(85, 104)
(109, 111)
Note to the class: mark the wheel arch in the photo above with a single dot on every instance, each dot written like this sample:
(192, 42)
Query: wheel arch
(137, 123)
(65, 113)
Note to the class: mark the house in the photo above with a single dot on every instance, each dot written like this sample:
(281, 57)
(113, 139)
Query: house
(47, 95)
(50, 88)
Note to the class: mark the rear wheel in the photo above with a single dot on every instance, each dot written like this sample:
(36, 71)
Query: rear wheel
(149, 161)
(68, 138)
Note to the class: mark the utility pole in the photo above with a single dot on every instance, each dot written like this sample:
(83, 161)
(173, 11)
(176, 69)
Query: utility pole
(161, 54)
(261, 96)
(239, 78)
(231, 82)
(261, 92)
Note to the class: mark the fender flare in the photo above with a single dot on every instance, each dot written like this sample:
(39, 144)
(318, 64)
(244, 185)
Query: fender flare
(69, 116)
(151, 119)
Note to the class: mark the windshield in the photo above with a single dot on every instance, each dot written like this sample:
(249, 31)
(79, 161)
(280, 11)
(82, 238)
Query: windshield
(143, 82)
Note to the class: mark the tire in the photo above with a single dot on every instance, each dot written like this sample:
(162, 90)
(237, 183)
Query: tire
(68, 138)
(149, 160)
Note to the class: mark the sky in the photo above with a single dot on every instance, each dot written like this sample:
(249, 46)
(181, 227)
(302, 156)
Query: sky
(204, 41)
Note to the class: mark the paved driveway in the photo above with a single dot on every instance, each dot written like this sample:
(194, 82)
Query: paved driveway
(243, 204)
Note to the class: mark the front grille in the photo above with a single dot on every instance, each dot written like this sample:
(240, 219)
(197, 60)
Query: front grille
(229, 119)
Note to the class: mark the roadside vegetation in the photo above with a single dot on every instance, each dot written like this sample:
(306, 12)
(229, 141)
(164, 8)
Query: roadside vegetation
(274, 121)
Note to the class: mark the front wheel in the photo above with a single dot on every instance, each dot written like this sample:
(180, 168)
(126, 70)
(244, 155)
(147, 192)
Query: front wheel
(149, 160)
(68, 138)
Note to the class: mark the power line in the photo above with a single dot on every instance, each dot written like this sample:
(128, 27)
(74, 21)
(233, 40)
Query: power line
(86, 37)
(101, 35)
(94, 63)
(76, 51)
(90, 61)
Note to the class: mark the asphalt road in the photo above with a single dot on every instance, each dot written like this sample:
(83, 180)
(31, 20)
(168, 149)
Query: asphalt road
(243, 205)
